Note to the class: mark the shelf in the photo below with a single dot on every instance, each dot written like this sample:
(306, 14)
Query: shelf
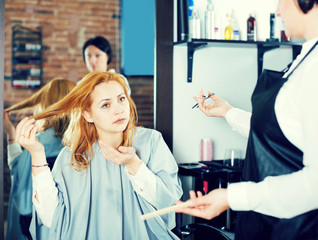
(26, 50)
(262, 47)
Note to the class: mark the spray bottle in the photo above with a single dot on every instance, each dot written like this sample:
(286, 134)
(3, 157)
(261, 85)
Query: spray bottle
(209, 21)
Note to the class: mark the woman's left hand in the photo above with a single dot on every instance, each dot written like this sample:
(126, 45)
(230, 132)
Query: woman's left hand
(122, 156)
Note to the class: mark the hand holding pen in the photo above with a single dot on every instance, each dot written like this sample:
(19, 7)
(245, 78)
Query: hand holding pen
(205, 97)
(218, 109)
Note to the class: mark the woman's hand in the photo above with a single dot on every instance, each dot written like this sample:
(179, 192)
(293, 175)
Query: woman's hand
(8, 127)
(218, 109)
(26, 136)
(207, 206)
(122, 156)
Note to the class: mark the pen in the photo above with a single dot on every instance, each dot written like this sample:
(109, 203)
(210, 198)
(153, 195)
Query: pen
(205, 97)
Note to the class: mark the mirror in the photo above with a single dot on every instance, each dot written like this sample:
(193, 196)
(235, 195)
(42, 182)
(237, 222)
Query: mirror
(1, 113)
(65, 27)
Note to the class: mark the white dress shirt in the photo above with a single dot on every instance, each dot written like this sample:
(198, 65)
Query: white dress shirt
(289, 195)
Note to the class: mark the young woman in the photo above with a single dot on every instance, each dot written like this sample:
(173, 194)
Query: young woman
(109, 173)
(19, 161)
(278, 198)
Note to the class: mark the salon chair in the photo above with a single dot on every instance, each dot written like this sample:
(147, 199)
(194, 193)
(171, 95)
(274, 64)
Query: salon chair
(202, 231)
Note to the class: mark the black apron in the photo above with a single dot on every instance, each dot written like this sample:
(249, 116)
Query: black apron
(270, 153)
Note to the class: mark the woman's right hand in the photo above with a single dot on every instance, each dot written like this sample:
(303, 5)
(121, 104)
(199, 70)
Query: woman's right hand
(218, 109)
(26, 136)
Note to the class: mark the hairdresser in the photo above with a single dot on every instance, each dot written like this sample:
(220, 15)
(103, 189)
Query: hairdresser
(278, 198)
(98, 54)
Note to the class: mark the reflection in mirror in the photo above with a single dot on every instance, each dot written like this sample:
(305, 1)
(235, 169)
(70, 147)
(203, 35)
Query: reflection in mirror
(65, 27)
(50, 132)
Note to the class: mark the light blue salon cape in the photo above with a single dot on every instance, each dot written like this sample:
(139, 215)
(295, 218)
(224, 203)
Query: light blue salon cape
(20, 201)
(100, 203)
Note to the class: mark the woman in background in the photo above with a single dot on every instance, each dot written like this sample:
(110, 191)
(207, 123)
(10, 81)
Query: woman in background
(98, 54)
(109, 173)
(278, 198)
(19, 161)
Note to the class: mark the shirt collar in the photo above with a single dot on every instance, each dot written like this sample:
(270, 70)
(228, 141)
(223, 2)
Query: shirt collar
(308, 44)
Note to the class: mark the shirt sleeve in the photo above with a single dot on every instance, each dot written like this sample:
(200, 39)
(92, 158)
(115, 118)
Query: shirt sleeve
(144, 183)
(14, 150)
(239, 120)
(47, 200)
(283, 196)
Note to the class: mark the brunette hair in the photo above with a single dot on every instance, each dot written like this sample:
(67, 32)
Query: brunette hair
(49, 94)
(81, 134)
(306, 5)
(102, 44)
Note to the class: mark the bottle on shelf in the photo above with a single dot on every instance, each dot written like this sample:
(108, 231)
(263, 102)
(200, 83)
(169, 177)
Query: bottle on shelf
(191, 6)
(209, 21)
(272, 20)
(251, 28)
(195, 25)
(190, 15)
(235, 26)
(217, 32)
(228, 33)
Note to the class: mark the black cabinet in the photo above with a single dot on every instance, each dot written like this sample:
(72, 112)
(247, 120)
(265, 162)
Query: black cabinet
(26, 57)
(212, 175)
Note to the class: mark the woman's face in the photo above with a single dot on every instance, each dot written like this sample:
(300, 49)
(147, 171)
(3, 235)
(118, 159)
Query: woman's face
(95, 59)
(292, 18)
(110, 108)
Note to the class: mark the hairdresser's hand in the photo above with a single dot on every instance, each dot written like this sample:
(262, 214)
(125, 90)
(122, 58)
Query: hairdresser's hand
(8, 126)
(26, 137)
(122, 156)
(218, 109)
(207, 206)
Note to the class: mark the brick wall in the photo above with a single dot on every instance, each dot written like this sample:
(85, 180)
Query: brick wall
(66, 25)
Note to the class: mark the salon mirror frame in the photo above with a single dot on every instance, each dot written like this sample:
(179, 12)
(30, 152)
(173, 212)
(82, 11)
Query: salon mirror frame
(162, 81)
(1, 114)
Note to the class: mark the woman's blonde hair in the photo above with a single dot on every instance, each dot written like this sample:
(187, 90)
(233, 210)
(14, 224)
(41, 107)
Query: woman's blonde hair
(81, 134)
(49, 94)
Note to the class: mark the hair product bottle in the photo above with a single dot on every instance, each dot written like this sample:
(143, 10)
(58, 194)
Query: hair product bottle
(217, 32)
(228, 33)
(236, 29)
(251, 28)
(196, 25)
(209, 21)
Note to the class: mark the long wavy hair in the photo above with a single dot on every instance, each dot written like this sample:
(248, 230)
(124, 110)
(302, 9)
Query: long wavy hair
(81, 134)
(49, 94)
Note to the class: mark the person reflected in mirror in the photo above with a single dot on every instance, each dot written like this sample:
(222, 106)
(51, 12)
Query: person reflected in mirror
(278, 197)
(109, 173)
(50, 133)
(98, 54)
